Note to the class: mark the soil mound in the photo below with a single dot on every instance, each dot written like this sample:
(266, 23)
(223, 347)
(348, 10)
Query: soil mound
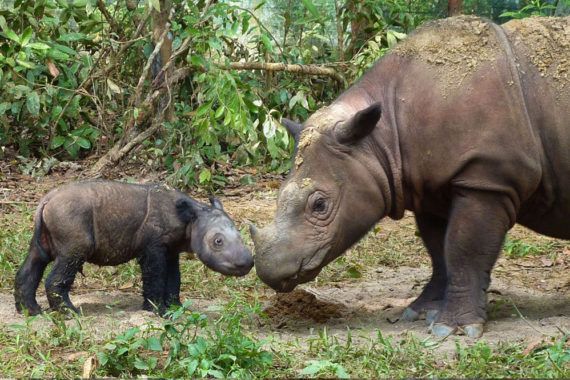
(301, 305)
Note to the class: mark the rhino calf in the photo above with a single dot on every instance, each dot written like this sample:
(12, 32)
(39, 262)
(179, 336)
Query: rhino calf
(110, 223)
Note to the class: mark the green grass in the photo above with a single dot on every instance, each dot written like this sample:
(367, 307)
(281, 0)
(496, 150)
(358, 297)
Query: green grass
(228, 341)
(191, 344)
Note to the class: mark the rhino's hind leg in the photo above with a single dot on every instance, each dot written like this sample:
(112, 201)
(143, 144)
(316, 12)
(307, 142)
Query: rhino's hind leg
(478, 223)
(59, 281)
(432, 229)
(27, 280)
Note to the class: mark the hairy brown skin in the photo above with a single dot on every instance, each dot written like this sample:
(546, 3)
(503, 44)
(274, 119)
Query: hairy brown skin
(110, 223)
(472, 134)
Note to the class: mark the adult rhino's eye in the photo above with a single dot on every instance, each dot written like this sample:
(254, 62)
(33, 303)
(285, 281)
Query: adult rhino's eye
(319, 205)
(218, 241)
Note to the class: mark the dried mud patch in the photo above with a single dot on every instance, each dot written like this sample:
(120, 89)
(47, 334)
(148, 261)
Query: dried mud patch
(547, 43)
(455, 47)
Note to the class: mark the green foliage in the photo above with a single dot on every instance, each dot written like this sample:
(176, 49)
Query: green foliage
(195, 348)
(64, 97)
(518, 248)
(15, 236)
(532, 8)
(40, 68)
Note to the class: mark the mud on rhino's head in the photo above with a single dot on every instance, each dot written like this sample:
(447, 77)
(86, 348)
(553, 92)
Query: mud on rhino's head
(329, 201)
(214, 238)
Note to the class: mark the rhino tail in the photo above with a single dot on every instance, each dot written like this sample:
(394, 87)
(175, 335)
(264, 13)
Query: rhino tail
(31, 272)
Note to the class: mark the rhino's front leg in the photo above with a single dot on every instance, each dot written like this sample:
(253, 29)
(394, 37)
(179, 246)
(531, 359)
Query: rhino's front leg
(172, 290)
(153, 267)
(432, 229)
(477, 226)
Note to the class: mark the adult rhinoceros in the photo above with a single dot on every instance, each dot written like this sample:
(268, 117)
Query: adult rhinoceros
(466, 124)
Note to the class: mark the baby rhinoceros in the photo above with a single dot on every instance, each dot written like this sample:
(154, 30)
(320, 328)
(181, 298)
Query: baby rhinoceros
(110, 223)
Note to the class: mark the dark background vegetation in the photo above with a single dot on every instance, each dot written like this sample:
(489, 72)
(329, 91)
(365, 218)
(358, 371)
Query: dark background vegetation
(192, 87)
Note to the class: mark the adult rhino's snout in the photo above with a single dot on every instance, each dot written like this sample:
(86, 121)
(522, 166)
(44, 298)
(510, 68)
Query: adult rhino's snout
(271, 265)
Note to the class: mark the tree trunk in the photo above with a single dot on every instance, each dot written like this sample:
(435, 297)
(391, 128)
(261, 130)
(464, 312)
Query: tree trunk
(340, 32)
(454, 7)
(159, 21)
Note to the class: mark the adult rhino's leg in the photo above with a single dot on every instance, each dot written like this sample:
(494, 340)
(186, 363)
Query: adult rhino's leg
(172, 290)
(477, 226)
(59, 281)
(153, 268)
(432, 229)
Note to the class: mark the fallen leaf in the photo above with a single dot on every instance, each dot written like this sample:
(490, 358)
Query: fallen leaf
(527, 264)
(89, 367)
(126, 285)
(75, 355)
(52, 68)
(546, 262)
(531, 347)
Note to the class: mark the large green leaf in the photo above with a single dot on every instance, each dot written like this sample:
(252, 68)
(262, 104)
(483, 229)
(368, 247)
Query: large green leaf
(311, 8)
(33, 103)
(72, 37)
(12, 35)
(26, 36)
(83, 142)
(57, 142)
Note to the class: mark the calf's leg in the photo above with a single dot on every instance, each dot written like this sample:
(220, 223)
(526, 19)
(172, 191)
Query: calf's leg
(28, 278)
(59, 281)
(477, 226)
(172, 290)
(153, 267)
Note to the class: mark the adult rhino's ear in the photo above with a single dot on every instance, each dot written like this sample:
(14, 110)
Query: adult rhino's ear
(293, 128)
(358, 126)
(216, 203)
(186, 211)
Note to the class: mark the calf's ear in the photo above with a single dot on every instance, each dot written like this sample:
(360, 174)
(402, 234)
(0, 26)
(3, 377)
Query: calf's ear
(216, 203)
(293, 128)
(186, 211)
(358, 126)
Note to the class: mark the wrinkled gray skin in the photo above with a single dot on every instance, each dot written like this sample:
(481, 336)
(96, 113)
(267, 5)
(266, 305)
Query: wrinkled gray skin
(110, 223)
(470, 159)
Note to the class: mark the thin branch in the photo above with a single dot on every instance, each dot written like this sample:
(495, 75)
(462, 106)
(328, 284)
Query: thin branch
(146, 69)
(262, 26)
(179, 51)
(114, 27)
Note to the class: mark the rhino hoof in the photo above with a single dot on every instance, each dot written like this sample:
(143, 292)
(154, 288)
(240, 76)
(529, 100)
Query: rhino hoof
(431, 315)
(410, 315)
(473, 331)
(441, 330)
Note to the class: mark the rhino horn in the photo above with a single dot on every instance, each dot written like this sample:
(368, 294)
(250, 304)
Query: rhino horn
(253, 231)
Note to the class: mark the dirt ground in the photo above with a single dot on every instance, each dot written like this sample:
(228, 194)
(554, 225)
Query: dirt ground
(529, 299)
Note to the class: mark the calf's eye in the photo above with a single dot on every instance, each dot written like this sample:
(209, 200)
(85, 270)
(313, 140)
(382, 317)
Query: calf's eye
(218, 241)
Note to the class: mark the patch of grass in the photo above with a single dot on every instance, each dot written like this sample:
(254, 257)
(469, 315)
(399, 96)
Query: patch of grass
(227, 344)
(16, 230)
(516, 248)
(379, 248)
(384, 357)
